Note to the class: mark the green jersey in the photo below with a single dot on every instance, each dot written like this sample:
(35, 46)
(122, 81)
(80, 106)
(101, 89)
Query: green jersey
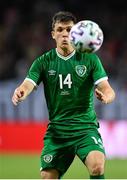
(68, 86)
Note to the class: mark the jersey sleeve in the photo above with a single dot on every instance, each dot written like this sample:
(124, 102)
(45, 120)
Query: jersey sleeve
(35, 72)
(99, 73)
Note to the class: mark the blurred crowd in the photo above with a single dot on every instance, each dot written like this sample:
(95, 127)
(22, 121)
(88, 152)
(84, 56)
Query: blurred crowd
(25, 33)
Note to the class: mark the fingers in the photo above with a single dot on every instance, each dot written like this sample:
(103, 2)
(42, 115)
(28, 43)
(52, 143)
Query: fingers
(15, 101)
(98, 93)
(16, 98)
(100, 96)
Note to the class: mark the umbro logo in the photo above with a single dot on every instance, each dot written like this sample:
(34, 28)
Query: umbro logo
(51, 72)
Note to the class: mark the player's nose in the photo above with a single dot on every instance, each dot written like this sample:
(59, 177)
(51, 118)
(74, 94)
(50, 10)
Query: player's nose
(65, 33)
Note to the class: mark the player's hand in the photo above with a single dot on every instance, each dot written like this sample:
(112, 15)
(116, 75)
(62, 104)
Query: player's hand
(100, 96)
(18, 96)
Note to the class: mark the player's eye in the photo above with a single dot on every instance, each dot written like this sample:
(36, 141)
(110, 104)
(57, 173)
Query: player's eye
(68, 29)
(59, 29)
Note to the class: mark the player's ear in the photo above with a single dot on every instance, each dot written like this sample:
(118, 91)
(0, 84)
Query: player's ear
(53, 36)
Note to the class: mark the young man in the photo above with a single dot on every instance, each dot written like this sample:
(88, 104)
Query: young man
(69, 78)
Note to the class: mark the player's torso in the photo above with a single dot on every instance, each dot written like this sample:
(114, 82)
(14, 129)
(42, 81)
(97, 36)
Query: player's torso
(68, 84)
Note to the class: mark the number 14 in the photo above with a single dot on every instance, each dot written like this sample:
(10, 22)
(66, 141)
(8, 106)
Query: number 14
(66, 81)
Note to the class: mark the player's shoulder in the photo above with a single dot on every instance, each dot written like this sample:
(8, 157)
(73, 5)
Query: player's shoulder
(87, 56)
(50, 53)
(47, 55)
(91, 56)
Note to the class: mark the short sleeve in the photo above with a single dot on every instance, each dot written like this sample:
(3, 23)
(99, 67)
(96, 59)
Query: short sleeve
(99, 73)
(35, 72)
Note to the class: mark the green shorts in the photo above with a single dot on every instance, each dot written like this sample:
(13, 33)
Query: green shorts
(59, 153)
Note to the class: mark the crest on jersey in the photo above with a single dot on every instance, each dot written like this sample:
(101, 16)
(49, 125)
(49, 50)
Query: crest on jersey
(80, 70)
(48, 158)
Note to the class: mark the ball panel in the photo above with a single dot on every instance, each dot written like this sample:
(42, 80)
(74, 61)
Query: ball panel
(86, 36)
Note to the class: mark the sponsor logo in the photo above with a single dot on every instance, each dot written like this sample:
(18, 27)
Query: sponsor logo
(64, 93)
(80, 70)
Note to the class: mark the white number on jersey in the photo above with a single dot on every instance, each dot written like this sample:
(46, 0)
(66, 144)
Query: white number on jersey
(99, 141)
(66, 81)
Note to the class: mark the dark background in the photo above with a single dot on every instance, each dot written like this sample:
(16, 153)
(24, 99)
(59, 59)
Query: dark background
(25, 27)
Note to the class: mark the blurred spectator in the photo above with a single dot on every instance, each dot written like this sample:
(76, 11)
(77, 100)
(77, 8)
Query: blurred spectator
(9, 46)
(25, 35)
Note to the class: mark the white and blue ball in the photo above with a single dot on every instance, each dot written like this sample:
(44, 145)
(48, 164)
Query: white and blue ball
(86, 36)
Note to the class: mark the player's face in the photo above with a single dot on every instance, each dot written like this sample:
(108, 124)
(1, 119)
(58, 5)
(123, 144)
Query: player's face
(61, 34)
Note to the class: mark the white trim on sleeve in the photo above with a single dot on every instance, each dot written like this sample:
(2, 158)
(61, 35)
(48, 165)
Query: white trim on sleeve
(28, 79)
(100, 80)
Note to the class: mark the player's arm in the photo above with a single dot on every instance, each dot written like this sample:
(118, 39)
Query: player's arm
(104, 92)
(22, 91)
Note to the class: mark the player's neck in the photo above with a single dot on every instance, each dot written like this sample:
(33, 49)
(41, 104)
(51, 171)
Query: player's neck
(64, 52)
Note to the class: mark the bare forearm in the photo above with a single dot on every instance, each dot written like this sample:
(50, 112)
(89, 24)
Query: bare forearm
(104, 92)
(110, 96)
(22, 92)
(27, 87)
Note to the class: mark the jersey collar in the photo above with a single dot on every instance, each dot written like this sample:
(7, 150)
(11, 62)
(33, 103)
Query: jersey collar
(65, 57)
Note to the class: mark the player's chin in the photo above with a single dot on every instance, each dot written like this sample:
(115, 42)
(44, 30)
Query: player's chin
(65, 45)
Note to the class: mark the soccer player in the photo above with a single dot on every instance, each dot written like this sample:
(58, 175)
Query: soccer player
(70, 80)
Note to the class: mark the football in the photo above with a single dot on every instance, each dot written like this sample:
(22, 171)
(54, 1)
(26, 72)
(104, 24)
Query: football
(86, 36)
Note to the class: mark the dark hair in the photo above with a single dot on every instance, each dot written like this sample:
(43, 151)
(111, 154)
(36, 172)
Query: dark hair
(63, 16)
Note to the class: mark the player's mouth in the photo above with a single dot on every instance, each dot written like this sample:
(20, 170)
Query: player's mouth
(64, 42)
